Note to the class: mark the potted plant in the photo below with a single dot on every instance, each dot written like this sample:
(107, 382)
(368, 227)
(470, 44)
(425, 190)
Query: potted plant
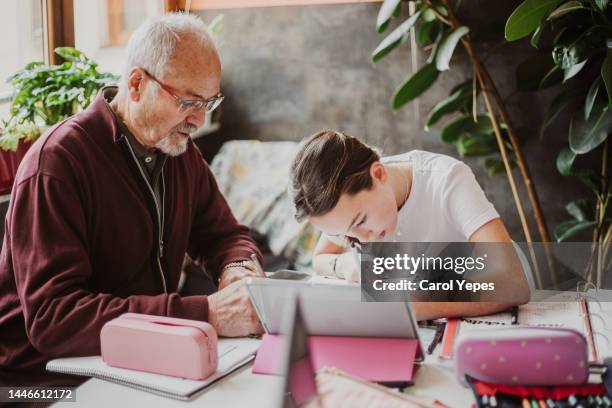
(573, 39)
(44, 95)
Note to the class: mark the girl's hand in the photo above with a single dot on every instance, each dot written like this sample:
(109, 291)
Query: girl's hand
(347, 267)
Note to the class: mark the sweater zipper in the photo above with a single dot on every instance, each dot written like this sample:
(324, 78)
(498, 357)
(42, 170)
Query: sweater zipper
(160, 251)
(163, 216)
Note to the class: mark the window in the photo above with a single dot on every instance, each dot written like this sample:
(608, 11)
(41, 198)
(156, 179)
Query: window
(21, 27)
(221, 4)
(103, 27)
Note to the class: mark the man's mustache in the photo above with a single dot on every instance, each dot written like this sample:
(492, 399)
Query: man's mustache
(185, 128)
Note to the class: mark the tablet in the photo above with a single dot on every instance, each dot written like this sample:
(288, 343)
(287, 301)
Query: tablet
(330, 310)
(300, 383)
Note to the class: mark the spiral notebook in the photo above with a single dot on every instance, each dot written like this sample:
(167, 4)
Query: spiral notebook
(233, 354)
(590, 316)
(600, 314)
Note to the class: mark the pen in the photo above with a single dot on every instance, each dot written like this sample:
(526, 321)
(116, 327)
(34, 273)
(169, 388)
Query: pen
(258, 267)
(437, 338)
(514, 312)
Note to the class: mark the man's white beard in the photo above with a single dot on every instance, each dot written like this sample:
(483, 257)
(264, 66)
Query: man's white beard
(165, 145)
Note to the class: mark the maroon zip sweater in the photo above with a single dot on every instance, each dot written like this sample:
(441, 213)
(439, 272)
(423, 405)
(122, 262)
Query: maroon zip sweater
(82, 245)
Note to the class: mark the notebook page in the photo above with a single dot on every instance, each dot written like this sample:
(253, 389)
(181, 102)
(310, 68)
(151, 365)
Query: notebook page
(600, 314)
(233, 353)
(493, 321)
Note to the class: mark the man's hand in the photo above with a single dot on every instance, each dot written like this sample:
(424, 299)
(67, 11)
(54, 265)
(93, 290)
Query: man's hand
(231, 313)
(233, 274)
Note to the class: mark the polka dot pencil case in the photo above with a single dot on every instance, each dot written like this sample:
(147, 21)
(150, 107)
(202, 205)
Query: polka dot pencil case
(523, 356)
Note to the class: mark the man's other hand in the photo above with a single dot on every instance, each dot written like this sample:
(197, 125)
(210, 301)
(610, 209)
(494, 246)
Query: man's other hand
(231, 312)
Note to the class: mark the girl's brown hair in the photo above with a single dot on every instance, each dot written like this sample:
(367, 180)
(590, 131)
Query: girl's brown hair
(327, 165)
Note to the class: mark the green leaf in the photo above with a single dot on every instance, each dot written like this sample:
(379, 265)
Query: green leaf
(429, 15)
(568, 55)
(591, 96)
(414, 86)
(495, 166)
(428, 32)
(566, 8)
(573, 70)
(580, 210)
(477, 144)
(587, 134)
(9, 141)
(602, 4)
(383, 27)
(535, 38)
(451, 104)
(385, 12)
(606, 72)
(436, 46)
(441, 8)
(567, 229)
(553, 77)
(70, 54)
(589, 178)
(215, 25)
(465, 85)
(447, 47)
(527, 17)
(465, 124)
(397, 36)
(558, 104)
(565, 159)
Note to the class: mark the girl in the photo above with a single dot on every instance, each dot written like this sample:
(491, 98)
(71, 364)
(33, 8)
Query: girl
(343, 187)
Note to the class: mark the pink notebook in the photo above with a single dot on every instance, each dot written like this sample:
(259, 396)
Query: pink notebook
(370, 358)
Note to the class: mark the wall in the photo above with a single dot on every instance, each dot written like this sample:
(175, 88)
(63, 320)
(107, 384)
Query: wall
(291, 71)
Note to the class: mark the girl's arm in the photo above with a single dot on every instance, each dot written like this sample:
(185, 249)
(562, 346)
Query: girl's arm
(332, 259)
(510, 279)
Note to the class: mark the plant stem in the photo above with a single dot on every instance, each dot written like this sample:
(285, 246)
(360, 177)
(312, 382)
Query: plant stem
(487, 85)
(474, 96)
(602, 207)
(438, 14)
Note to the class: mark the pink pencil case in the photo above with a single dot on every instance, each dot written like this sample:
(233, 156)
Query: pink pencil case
(162, 345)
(523, 356)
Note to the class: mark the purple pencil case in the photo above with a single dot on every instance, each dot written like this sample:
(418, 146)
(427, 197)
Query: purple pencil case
(523, 356)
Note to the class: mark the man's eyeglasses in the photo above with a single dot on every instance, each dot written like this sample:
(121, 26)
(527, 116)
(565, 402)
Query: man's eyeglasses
(190, 105)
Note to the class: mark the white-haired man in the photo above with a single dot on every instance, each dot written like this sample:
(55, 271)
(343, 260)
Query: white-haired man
(107, 203)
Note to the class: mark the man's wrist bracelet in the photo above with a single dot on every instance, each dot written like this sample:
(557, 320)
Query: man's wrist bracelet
(236, 264)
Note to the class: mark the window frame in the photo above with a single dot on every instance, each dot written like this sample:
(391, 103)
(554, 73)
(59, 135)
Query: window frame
(58, 17)
(227, 4)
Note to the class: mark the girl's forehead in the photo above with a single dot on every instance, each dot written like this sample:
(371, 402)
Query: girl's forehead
(335, 222)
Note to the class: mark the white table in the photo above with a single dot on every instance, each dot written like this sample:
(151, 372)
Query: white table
(241, 389)
(434, 379)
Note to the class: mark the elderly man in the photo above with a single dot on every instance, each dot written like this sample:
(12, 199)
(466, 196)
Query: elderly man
(107, 203)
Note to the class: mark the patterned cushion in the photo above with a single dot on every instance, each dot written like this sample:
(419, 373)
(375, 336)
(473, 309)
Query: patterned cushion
(254, 177)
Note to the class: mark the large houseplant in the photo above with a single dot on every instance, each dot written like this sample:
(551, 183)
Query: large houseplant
(44, 95)
(481, 124)
(573, 39)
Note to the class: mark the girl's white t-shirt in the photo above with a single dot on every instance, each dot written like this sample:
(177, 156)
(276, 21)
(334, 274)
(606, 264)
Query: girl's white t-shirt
(445, 204)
